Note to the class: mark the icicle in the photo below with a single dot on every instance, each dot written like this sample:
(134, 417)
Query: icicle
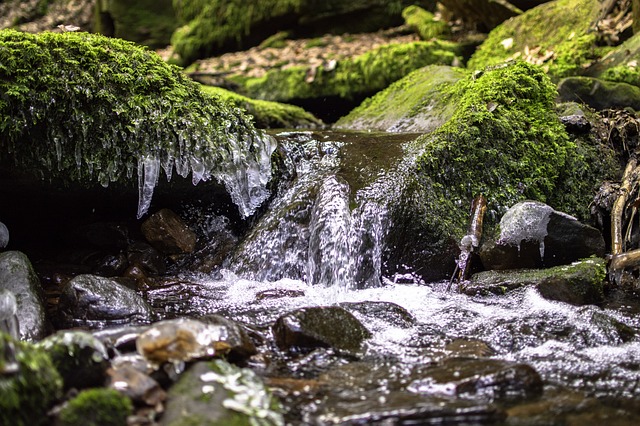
(148, 172)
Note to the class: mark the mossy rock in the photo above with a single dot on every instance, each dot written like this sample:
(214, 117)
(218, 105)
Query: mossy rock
(416, 103)
(555, 35)
(213, 27)
(26, 394)
(599, 94)
(96, 407)
(86, 108)
(424, 23)
(505, 141)
(620, 64)
(147, 22)
(353, 78)
(267, 114)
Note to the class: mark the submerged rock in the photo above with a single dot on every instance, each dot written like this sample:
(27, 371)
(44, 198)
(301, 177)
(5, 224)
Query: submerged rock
(580, 283)
(217, 393)
(17, 276)
(167, 232)
(89, 300)
(533, 235)
(394, 315)
(306, 329)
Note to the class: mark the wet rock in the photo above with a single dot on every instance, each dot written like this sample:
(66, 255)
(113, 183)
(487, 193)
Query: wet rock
(168, 233)
(187, 339)
(28, 390)
(599, 94)
(137, 385)
(306, 329)
(469, 348)
(89, 300)
(391, 313)
(481, 379)
(217, 393)
(79, 357)
(4, 236)
(8, 314)
(111, 265)
(146, 257)
(17, 276)
(105, 235)
(240, 344)
(99, 406)
(121, 339)
(532, 235)
(278, 293)
(579, 283)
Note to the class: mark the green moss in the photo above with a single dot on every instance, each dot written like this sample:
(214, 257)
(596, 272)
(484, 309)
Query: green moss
(362, 75)
(89, 108)
(623, 74)
(424, 22)
(267, 114)
(26, 395)
(559, 29)
(504, 141)
(97, 407)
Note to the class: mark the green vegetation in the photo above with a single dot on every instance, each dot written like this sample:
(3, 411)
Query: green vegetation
(555, 35)
(267, 114)
(363, 75)
(26, 394)
(424, 22)
(96, 407)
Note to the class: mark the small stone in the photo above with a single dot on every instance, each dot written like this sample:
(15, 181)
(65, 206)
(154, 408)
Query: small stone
(4, 236)
(136, 385)
(146, 257)
(168, 233)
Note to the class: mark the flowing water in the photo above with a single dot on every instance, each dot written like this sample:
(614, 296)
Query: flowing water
(321, 242)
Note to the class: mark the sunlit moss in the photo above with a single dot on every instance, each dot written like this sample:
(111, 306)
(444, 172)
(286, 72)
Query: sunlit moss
(96, 407)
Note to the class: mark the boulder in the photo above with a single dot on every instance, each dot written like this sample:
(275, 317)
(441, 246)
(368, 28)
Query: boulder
(4, 236)
(391, 313)
(89, 300)
(217, 393)
(599, 94)
(17, 276)
(306, 329)
(241, 347)
(99, 406)
(534, 235)
(167, 232)
(415, 103)
(580, 283)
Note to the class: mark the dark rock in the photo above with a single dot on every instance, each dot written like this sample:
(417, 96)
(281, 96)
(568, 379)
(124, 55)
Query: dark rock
(240, 344)
(106, 235)
(579, 283)
(168, 233)
(218, 393)
(17, 276)
(533, 235)
(599, 94)
(469, 348)
(576, 123)
(391, 313)
(138, 386)
(90, 300)
(111, 265)
(146, 257)
(278, 293)
(4, 236)
(319, 327)
(79, 357)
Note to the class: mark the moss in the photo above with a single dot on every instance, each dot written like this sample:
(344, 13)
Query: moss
(351, 78)
(424, 22)
(267, 114)
(89, 108)
(96, 407)
(25, 396)
(558, 29)
(416, 103)
(623, 74)
(504, 141)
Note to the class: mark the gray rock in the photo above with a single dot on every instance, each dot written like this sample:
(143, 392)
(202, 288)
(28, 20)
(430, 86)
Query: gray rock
(534, 235)
(9, 314)
(17, 276)
(580, 283)
(4, 235)
(168, 233)
(89, 300)
(218, 393)
(306, 329)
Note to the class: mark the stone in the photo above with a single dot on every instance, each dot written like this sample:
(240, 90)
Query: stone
(147, 258)
(8, 314)
(4, 236)
(393, 314)
(168, 233)
(99, 406)
(533, 235)
(89, 300)
(80, 358)
(580, 283)
(599, 94)
(218, 393)
(306, 329)
(241, 347)
(135, 384)
(17, 276)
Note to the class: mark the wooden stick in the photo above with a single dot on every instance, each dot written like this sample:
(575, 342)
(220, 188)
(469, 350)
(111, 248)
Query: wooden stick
(617, 211)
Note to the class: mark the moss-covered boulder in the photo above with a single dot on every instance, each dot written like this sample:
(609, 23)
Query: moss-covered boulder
(96, 407)
(416, 103)
(348, 79)
(555, 35)
(620, 64)
(212, 27)
(218, 393)
(424, 22)
(148, 22)
(267, 114)
(504, 141)
(29, 383)
(87, 108)
(599, 94)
